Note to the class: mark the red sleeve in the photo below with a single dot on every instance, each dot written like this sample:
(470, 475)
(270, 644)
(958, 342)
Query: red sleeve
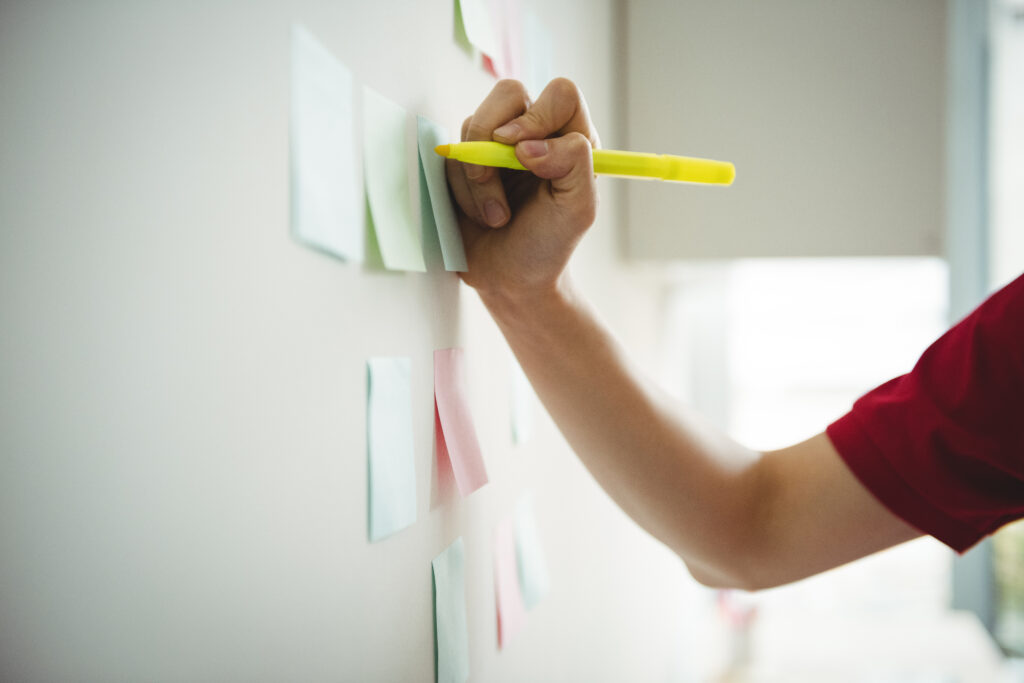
(943, 446)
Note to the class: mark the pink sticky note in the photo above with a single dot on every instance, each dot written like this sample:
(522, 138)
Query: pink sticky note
(507, 62)
(456, 435)
(445, 476)
(511, 609)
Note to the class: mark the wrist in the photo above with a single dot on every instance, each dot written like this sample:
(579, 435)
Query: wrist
(527, 306)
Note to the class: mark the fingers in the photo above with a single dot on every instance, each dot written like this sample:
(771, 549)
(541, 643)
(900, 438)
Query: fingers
(459, 184)
(568, 163)
(506, 101)
(559, 110)
(555, 137)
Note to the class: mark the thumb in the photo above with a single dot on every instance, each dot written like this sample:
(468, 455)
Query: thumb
(568, 162)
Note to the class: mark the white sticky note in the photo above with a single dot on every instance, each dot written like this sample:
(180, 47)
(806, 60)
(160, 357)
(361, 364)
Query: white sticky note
(476, 19)
(385, 160)
(533, 568)
(538, 49)
(391, 465)
(326, 202)
(524, 402)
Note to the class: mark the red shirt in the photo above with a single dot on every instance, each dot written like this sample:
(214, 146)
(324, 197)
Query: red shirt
(943, 446)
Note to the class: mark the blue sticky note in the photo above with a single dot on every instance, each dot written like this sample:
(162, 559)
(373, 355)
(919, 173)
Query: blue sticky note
(450, 630)
(533, 571)
(392, 469)
(432, 168)
(326, 206)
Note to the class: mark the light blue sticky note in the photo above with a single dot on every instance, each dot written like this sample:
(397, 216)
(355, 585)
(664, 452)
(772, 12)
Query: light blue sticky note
(533, 570)
(432, 166)
(326, 204)
(392, 469)
(450, 630)
(387, 182)
(524, 402)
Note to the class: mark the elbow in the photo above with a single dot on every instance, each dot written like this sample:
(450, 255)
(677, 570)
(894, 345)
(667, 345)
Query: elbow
(745, 562)
(743, 550)
(710, 578)
(733, 576)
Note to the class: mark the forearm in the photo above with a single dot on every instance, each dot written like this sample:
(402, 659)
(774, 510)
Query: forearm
(693, 489)
(738, 518)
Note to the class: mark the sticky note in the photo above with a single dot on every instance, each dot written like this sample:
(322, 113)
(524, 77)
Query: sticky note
(326, 203)
(533, 570)
(457, 435)
(391, 465)
(450, 631)
(476, 19)
(507, 23)
(387, 183)
(524, 402)
(511, 611)
(538, 48)
(441, 211)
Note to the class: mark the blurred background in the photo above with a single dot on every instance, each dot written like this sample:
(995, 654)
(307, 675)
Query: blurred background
(182, 384)
(774, 347)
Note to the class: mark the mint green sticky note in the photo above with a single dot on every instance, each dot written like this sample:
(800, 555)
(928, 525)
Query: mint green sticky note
(387, 183)
(533, 571)
(432, 166)
(326, 209)
(450, 630)
(392, 469)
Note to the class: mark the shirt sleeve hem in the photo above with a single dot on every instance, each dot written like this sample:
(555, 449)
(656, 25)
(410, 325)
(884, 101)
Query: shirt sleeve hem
(885, 483)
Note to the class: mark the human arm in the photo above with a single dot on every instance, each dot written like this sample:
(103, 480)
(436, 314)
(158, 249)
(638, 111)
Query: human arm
(737, 517)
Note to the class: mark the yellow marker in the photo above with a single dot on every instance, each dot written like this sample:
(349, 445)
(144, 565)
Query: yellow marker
(606, 162)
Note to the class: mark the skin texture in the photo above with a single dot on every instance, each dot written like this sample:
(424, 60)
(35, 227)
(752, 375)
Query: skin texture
(737, 517)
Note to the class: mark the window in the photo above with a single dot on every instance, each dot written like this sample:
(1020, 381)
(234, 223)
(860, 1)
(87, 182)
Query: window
(774, 350)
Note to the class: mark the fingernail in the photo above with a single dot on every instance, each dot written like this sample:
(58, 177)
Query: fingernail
(473, 171)
(534, 148)
(494, 212)
(510, 131)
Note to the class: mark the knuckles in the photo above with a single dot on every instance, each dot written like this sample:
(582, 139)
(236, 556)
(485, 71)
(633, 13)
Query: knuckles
(577, 145)
(511, 89)
(564, 89)
(475, 131)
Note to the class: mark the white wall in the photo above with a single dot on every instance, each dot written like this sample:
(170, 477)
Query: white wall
(833, 113)
(182, 386)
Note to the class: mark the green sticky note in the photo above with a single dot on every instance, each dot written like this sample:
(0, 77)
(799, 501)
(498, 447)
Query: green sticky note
(326, 209)
(533, 571)
(432, 168)
(387, 183)
(391, 465)
(450, 630)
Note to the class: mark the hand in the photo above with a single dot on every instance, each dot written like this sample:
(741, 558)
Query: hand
(520, 227)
